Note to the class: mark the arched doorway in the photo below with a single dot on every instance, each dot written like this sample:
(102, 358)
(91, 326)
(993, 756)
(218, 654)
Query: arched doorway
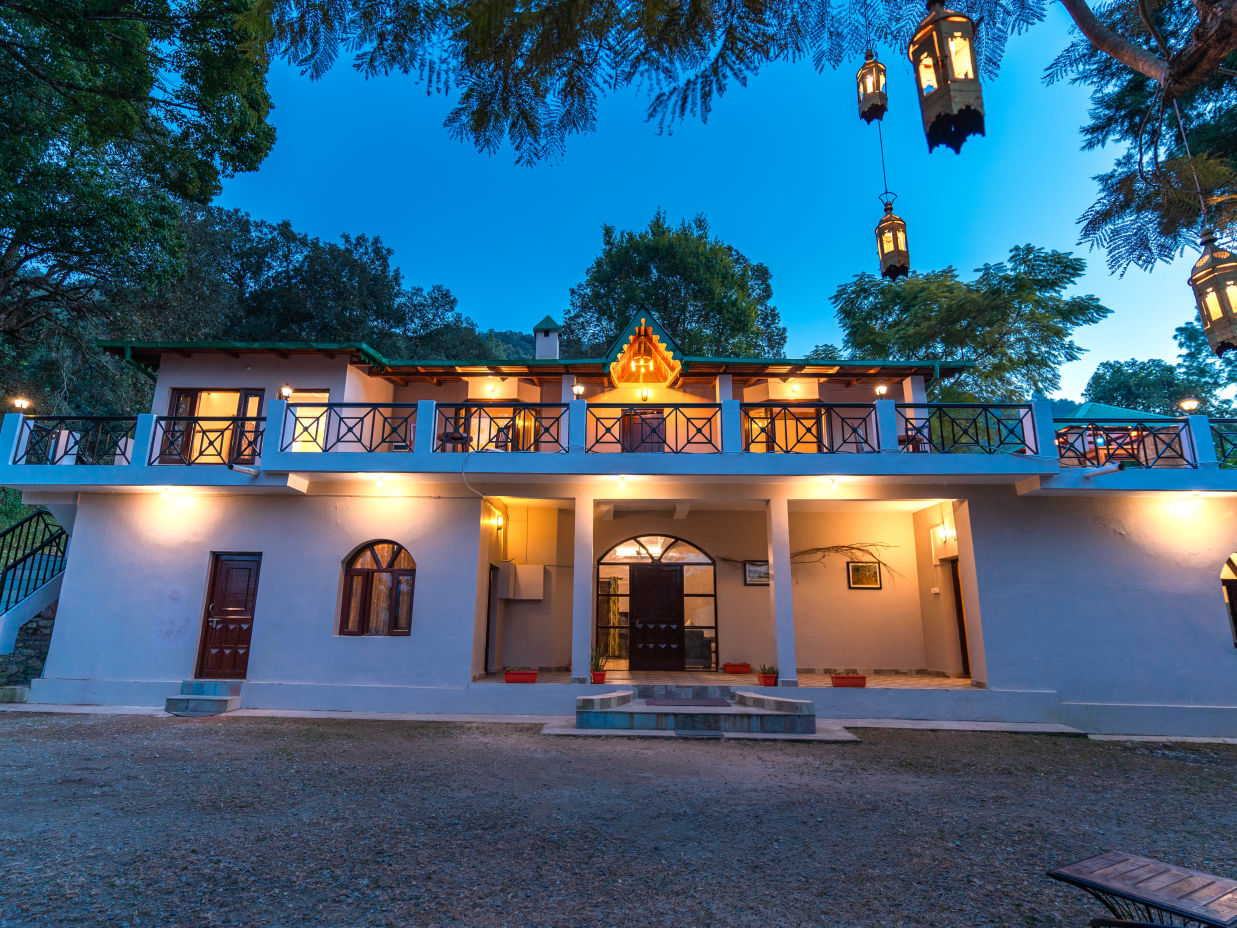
(657, 605)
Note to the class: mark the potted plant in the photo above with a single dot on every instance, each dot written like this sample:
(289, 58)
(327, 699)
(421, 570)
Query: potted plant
(848, 679)
(516, 675)
(597, 665)
(737, 668)
(767, 675)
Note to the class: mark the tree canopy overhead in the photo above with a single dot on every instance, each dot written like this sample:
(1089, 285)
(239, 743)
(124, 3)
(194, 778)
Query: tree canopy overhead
(1014, 322)
(709, 298)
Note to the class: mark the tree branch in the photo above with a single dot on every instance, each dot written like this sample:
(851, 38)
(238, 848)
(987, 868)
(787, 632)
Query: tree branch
(1114, 45)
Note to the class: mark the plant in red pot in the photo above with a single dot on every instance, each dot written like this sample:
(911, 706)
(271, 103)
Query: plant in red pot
(597, 665)
(737, 667)
(768, 674)
(848, 679)
(517, 675)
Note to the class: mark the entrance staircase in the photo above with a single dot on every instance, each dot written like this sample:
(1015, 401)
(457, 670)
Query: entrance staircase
(699, 712)
(32, 555)
(200, 698)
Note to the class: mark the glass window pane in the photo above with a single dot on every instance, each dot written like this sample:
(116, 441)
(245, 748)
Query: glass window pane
(628, 551)
(613, 578)
(960, 56)
(384, 552)
(698, 611)
(927, 74)
(683, 553)
(700, 649)
(379, 604)
(615, 641)
(403, 561)
(612, 610)
(354, 616)
(656, 545)
(698, 579)
(364, 558)
(403, 606)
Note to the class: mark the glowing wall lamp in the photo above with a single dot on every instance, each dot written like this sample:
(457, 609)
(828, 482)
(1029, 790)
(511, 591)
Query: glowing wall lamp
(577, 390)
(21, 404)
(1188, 405)
(285, 392)
(881, 389)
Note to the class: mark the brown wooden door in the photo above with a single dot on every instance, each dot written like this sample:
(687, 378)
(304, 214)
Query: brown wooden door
(656, 617)
(644, 430)
(228, 623)
(176, 445)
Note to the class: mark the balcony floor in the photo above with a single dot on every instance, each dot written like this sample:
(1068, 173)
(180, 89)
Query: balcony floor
(890, 681)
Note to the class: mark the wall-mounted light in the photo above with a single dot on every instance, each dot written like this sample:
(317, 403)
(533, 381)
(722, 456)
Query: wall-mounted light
(497, 521)
(881, 389)
(378, 478)
(285, 392)
(644, 395)
(794, 388)
(577, 390)
(21, 403)
(492, 387)
(623, 479)
(1189, 404)
(165, 492)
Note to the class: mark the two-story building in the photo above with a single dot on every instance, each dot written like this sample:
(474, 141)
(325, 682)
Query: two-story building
(342, 531)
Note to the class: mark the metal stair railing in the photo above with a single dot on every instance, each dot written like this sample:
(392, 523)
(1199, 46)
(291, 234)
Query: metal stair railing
(32, 554)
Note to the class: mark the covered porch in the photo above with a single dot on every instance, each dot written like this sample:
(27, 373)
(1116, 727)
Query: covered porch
(887, 681)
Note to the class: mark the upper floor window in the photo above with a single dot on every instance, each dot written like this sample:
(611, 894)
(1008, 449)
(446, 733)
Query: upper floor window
(378, 582)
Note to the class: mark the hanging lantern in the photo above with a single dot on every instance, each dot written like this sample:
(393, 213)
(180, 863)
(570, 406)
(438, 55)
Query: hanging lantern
(943, 56)
(871, 84)
(1214, 280)
(891, 245)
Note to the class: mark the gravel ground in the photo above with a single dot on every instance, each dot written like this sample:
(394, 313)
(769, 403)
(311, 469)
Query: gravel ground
(112, 820)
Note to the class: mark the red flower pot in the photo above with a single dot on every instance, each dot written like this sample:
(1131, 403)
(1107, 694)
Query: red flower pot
(520, 676)
(598, 676)
(848, 679)
(737, 668)
(767, 679)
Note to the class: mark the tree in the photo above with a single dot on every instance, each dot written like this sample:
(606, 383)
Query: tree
(1013, 322)
(1149, 205)
(709, 297)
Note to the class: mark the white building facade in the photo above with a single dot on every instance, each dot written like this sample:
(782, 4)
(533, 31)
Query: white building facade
(342, 531)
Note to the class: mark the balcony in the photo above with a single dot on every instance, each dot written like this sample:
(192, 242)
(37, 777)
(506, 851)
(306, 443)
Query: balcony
(981, 441)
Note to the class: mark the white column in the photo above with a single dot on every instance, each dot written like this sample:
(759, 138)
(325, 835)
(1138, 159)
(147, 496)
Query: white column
(732, 426)
(725, 387)
(577, 426)
(1205, 454)
(781, 594)
(913, 390)
(1045, 429)
(10, 437)
(887, 425)
(423, 432)
(144, 438)
(582, 594)
(569, 381)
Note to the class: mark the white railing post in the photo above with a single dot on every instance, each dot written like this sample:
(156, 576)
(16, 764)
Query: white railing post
(577, 425)
(143, 440)
(12, 437)
(887, 430)
(732, 427)
(1203, 441)
(423, 431)
(1044, 437)
(277, 429)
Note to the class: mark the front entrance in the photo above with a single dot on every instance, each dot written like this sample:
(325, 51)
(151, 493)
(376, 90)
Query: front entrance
(656, 617)
(227, 625)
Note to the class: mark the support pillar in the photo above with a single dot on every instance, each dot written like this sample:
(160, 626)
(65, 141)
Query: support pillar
(582, 595)
(781, 591)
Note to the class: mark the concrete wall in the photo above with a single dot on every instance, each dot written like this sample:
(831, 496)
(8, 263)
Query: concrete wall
(937, 606)
(265, 372)
(133, 594)
(537, 632)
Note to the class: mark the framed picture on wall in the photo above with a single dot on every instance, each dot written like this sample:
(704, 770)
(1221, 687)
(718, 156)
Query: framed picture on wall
(756, 573)
(863, 575)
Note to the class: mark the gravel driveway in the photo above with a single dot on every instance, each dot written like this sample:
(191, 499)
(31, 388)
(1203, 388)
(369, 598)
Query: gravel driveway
(126, 820)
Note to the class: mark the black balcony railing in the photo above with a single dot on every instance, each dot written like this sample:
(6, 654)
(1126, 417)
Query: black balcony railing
(682, 428)
(809, 428)
(106, 440)
(207, 440)
(964, 428)
(499, 426)
(386, 427)
(31, 553)
(1132, 442)
(1224, 434)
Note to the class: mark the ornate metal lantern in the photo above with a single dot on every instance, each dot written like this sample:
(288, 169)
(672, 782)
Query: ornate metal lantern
(1214, 280)
(870, 81)
(943, 56)
(891, 244)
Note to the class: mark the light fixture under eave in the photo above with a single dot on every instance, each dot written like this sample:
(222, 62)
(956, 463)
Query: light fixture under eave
(285, 392)
(577, 390)
(942, 54)
(1214, 281)
(870, 82)
(881, 389)
(895, 256)
(21, 403)
(1188, 405)
(644, 395)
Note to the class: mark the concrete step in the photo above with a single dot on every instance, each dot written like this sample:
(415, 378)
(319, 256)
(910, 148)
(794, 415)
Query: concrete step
(198, 706)
(684, 691)
(211, 687)
(14, 693)
(638, 715)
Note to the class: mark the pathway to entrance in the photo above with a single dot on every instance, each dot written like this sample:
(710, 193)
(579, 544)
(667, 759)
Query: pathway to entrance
(886, 681)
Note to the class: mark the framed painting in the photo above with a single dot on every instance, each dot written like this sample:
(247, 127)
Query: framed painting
(756, 573)
(863, 575)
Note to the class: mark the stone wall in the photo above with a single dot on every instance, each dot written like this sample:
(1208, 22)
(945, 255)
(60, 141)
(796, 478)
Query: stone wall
(26, 661)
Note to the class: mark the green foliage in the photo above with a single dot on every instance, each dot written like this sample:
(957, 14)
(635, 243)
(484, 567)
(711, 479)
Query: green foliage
(534, 74)
(1148, 208)
(1013, 322)
(11, 508)
(709, 297)
(598, 658)
(1158, 386)
(768, 669)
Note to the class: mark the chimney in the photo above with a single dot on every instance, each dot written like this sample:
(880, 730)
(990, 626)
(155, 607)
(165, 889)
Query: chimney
(545, 339)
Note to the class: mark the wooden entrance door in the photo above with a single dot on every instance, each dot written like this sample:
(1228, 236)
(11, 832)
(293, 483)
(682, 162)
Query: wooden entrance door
(228, 623)
(656, 617)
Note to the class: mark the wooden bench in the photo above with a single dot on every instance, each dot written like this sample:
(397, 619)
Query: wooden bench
(1140, 891)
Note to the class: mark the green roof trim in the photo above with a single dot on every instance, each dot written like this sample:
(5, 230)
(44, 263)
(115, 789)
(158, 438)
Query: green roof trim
(127, 349)
(617, 346)
(547, 325)
(1101, 411)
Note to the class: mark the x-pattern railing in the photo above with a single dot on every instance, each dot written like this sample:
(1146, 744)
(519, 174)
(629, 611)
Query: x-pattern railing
(1134, 442)
(207, 440)
(809, 428)
(499, 426)
(349, 427)
(964, 428)
(681, 428)
(100, 440)
(1224, 434)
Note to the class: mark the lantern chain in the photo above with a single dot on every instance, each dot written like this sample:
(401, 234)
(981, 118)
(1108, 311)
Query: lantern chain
(1189, 157)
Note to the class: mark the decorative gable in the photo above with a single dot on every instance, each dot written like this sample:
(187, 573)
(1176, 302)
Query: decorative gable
(644, 354)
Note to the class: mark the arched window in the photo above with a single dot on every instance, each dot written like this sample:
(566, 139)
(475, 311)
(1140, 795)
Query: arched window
(1228, 578)
(378, 581)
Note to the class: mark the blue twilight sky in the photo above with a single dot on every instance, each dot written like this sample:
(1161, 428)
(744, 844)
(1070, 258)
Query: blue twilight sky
(784, 170)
